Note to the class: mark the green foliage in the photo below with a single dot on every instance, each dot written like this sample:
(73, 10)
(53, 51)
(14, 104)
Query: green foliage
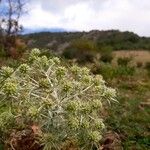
(113, 38)
(106, 54)
(106, 70)
(81, 57)
(147, 67)
(69, 53)
(2, 52)
(107, 58)
(1, 147)
(125, 71)
(84, 44)
(122, 40)
(124, 61)
(81, 49)
(65, 103)
(131, 121)
(110, 72)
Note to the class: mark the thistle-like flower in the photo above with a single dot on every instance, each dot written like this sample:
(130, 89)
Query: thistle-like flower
(95, 136)
(72, 106)
(56, 60)
(35, 52)
(34, 55)
(24, 68)
(85, 71)
(99, 124)
(86, 79)
(85, 107)
(85, 124)
(44, 61)
(96, 104)
(98, 80)
(61, 71)
(43, 83)
(75, 70)
(67, 86)
(73, 123)
(110, 93)
(33, 111)
(6, 71)
(10, 88)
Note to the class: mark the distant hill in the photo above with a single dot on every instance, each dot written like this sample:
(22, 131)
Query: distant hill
(117, 40)
(53, 30)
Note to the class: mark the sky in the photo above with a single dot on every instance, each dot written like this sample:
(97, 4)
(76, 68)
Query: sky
(86, 15)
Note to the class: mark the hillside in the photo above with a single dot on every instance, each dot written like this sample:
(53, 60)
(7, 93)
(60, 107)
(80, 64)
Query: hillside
(114, 39)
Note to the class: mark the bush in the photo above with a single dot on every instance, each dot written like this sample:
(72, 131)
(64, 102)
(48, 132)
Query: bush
(139, 64)
(110, 72)
(125, 71)
(106, 54)
(64, 104)
(106, 70)
(83, 50)
(68, 53)
(81, 56)
(147, 67)
(107, 58)
(2, 52)
(84, 44)
(124, 61)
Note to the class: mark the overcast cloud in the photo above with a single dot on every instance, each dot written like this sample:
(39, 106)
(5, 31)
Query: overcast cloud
(132, 15)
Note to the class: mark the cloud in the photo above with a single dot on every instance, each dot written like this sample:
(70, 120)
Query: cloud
(89, 14)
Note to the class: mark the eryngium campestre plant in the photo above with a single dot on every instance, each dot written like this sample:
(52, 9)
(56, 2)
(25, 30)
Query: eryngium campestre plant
(64, 102)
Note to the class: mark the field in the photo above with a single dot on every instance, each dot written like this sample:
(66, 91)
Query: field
(130, 117)
(137, 55)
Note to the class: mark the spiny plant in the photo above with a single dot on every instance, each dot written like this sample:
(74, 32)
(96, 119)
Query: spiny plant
(64, 102)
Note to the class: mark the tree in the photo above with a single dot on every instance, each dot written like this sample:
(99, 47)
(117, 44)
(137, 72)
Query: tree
(10, 12)
(10, 15)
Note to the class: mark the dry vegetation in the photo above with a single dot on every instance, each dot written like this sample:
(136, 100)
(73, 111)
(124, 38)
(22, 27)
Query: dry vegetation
(138, 56)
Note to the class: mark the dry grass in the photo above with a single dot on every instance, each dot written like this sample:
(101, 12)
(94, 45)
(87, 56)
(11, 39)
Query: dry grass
(138, 56)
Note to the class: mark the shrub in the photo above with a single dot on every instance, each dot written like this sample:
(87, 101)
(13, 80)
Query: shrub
(80, 56)
(110, 72)
(147, 67)
(68, 54)
(84, 44)
(63, 103)
(124, 61)
(82, 50)
(107, 58)
(106, 54)
(125, 71)
(106, 70)
(2, 52)
(139, 64)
